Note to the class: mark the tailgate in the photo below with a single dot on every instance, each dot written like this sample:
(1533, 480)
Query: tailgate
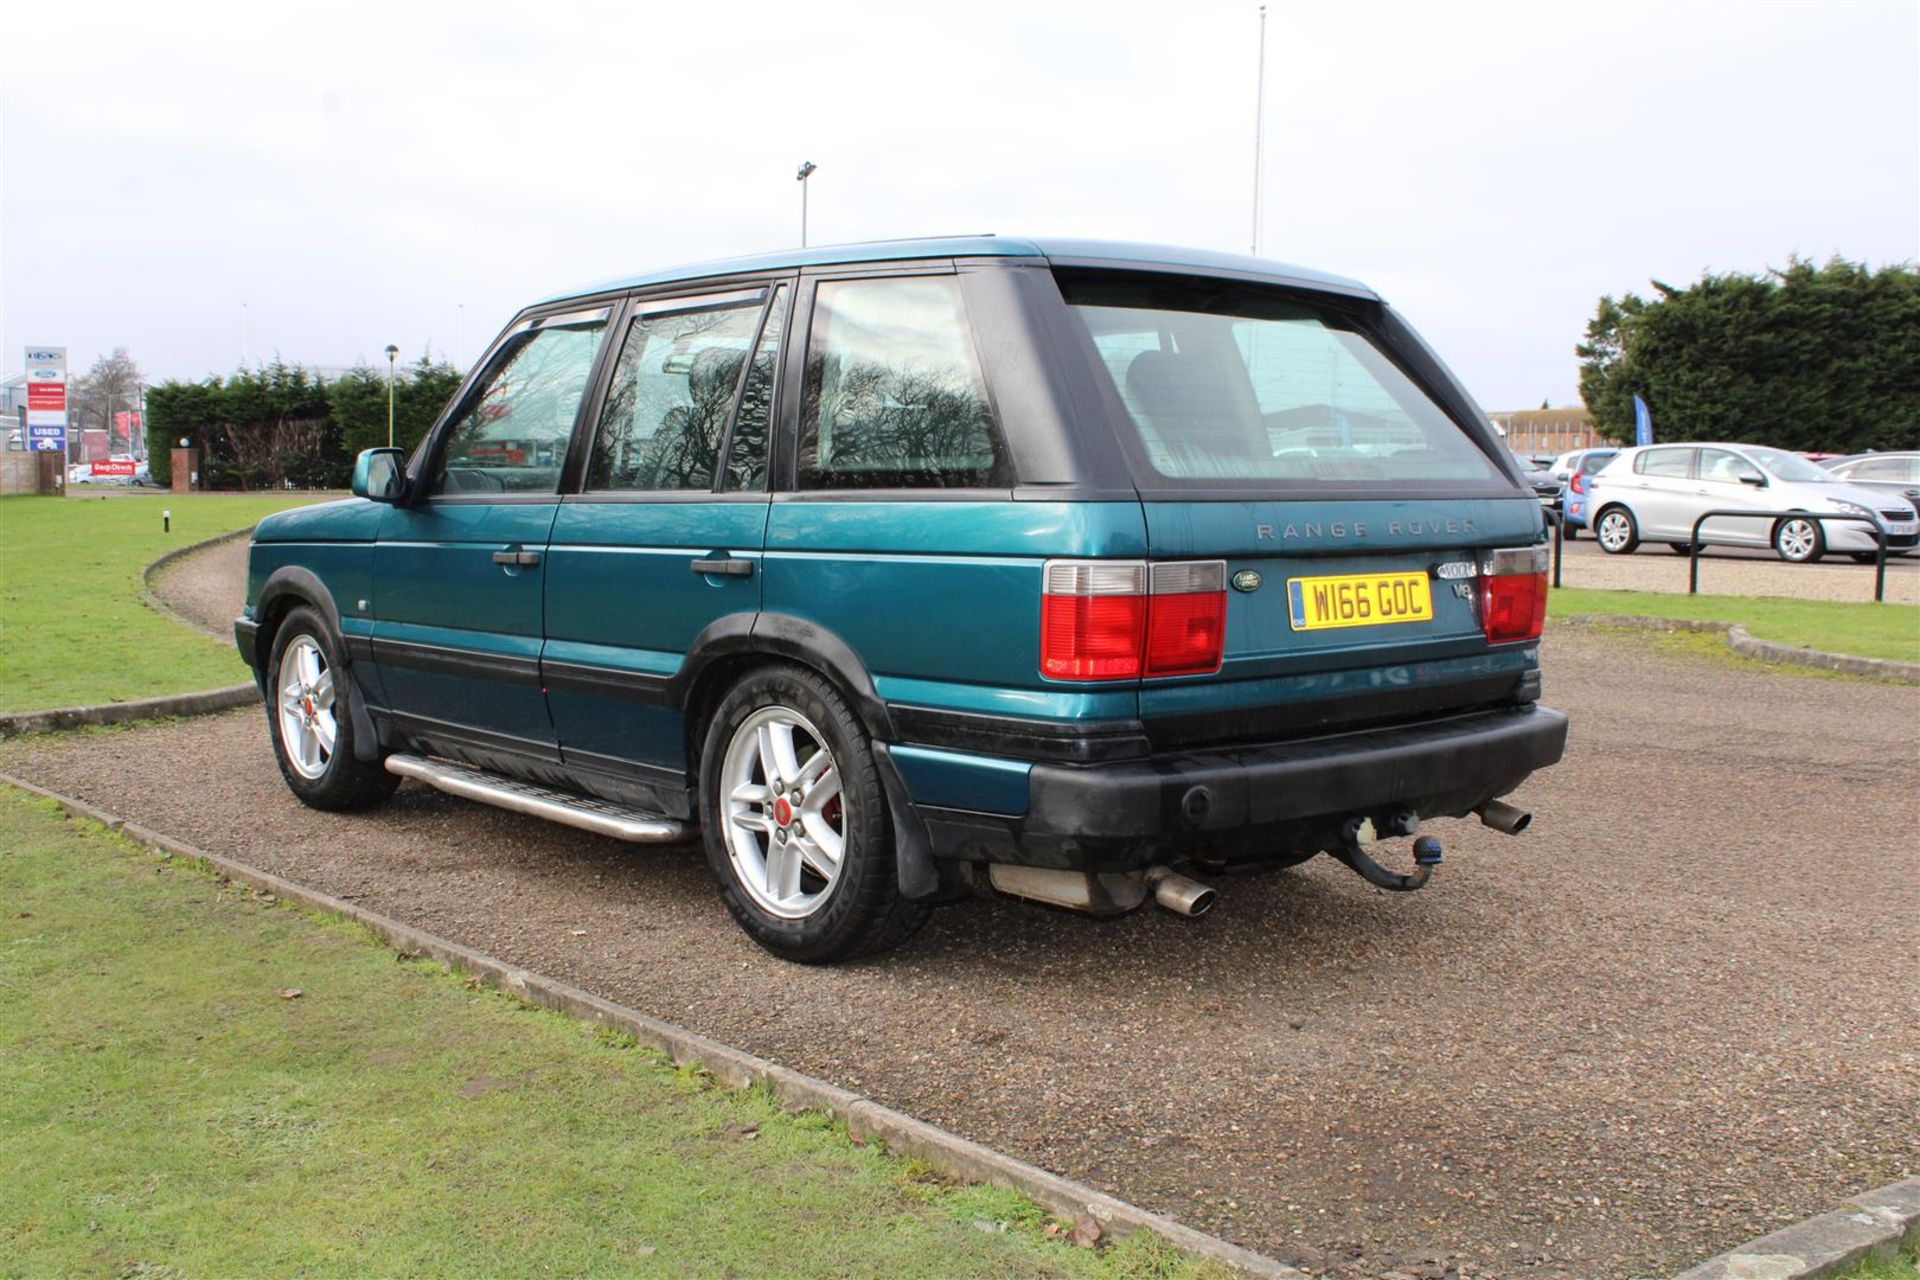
(1339, 613)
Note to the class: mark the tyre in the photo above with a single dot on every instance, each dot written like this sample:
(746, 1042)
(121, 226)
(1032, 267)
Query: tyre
(1867, 557)
(1680, 548)
(1616, 531)
(1798, 540)
(307, 718)
(796, 823)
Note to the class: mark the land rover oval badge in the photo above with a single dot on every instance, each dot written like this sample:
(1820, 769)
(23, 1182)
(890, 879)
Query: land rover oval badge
(1246, 580)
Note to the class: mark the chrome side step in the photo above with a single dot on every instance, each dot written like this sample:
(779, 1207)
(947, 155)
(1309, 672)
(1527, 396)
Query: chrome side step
(598, 816)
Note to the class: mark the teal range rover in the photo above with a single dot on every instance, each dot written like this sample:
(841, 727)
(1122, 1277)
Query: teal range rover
(1082, 571)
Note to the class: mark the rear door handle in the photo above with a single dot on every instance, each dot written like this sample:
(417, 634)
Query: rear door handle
(725, 567)
(523, 559)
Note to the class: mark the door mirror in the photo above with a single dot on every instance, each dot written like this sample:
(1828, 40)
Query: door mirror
(1753, 478)
(380, 474)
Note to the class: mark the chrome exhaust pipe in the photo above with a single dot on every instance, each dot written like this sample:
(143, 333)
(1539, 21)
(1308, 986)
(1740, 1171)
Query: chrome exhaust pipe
(1178, 894)
(1502, 816)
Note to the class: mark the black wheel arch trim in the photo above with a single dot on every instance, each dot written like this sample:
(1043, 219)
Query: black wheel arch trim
(779, 635)
(300, 586)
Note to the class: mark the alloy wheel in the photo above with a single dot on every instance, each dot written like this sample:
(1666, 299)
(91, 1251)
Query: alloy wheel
(308, 729)
(1796, 540)
(785, 818)
(1614, 531)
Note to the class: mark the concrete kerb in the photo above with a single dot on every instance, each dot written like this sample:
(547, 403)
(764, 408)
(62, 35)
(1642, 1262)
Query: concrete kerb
(865, 1119)
(200, 703)
(1875, 1225)
(205, 702)
(1764, 650)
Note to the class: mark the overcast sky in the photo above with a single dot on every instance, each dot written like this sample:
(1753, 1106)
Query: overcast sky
(353, 175)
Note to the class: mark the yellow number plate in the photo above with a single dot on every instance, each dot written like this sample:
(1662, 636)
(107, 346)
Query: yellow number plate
(1358, 600)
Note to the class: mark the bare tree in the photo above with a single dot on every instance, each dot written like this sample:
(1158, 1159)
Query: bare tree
(111, 386)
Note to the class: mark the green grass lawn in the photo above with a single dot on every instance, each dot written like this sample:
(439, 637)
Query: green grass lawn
(1865, 630)
(73, 630)
(167, 1109)
(1905, 1266)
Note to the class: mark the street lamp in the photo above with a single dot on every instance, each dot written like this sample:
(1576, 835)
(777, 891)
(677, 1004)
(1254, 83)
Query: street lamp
(806, 171)
(392, 352)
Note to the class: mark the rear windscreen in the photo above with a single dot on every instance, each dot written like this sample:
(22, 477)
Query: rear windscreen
(1233, 383)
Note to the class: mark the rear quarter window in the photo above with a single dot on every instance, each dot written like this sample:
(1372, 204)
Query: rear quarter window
(893, 397)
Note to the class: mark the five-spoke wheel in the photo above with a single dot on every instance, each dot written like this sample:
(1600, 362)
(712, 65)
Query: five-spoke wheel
(798, 828)
(308, 714)
(308, 729)
(786, 817)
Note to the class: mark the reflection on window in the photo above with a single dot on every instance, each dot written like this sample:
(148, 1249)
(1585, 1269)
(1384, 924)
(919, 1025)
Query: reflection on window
(893, 396)
(513, 437)
(747, 456)
(1675, 464)
(672, 392)
(1721, 467)
(1237, 384)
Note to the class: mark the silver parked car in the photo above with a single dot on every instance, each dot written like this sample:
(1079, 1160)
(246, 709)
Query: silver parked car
(1897, 472)
(1655, 493)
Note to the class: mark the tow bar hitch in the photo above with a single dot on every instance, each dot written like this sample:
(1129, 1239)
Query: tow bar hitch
(1360, 831)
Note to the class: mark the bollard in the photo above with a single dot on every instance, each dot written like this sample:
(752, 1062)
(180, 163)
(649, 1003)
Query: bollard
(1559, 545)
(166, 522)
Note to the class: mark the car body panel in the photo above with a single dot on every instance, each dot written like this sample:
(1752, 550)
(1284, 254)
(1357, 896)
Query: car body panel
(622, 597)
(914, 585)
(1860, 471)
(457, 637)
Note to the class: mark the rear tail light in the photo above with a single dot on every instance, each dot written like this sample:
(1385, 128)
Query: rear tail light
(1093, 619)
(1187, 618)
(1579, 483)
(1121, 619)
(1513, 594)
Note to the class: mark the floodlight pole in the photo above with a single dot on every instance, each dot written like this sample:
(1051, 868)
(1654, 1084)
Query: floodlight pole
(806, 171)
(1259, 119)
(392, 352)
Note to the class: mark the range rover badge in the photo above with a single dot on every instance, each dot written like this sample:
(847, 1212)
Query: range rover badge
(1246, 580)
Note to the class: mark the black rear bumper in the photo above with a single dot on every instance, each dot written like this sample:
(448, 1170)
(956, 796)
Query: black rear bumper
(1253, 801)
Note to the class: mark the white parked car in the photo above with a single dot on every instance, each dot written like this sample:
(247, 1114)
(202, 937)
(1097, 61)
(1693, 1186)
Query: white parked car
(1655, 493)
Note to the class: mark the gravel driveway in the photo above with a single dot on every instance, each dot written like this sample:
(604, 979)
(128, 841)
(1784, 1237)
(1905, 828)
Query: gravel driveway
(1677, 1013)
(209, 587)
(1736, 571)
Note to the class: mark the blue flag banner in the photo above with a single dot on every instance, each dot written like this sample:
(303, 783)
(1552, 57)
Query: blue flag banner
(1642, 422)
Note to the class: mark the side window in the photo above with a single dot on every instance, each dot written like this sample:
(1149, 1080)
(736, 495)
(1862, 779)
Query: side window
(1670, 463)
(747, 453)
(513, 435)
(672, 393)
(894, 397)
(1878, 469)
(1720, 467)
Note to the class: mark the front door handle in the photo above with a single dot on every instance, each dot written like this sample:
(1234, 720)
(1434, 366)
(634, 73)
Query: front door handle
(725, 567)
(522, 559)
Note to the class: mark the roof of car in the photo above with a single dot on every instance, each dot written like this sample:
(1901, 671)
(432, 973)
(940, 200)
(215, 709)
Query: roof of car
(1107, 253)
(1707, 444)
